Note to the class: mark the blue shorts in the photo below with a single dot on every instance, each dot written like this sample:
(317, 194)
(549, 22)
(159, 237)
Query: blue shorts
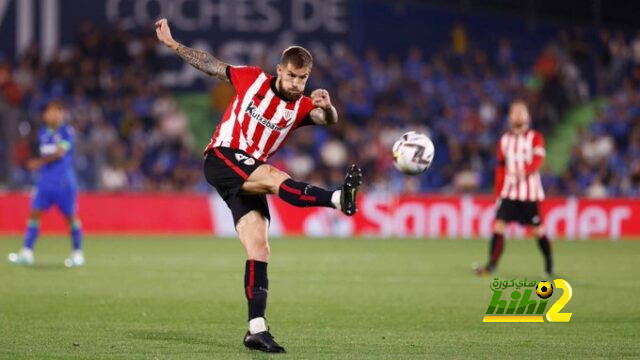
(63, 197)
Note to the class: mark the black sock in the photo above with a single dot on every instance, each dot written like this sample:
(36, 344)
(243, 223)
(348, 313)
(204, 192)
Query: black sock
(256, 287)
(495, 250)
(545, 247)
(301, 194)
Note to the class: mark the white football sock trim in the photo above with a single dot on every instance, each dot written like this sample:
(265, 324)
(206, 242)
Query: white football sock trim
(335, 199)
(257, 325)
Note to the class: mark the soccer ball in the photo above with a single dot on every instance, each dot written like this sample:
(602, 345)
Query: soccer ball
(413, 153)
(544, 289)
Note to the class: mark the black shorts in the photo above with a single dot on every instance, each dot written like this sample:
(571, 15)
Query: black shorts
(524, 212)
(227, 169)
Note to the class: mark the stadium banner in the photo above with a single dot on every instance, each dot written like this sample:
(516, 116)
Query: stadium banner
(240, 32)
(116, 213)
(379, 215)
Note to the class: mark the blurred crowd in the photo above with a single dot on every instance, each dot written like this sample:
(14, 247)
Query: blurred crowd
(131, 134)
(460, 96)
(605, 160)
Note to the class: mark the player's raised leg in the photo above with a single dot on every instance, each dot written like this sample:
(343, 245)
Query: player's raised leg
(267, 179)
(25, 255)
(252, 230)
(545, 247)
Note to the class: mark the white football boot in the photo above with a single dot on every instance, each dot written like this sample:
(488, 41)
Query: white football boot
(23, 257)
(75, 259)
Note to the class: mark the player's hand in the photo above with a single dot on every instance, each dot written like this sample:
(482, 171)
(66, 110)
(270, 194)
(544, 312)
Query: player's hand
(321, 99)
(34, 164)
(164, 33)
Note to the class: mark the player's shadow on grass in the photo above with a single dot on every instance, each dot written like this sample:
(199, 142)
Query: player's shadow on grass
(215, 348)
(176, 336)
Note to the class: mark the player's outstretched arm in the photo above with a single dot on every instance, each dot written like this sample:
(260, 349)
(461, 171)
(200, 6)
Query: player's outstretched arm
(199, 59)
(324, 113)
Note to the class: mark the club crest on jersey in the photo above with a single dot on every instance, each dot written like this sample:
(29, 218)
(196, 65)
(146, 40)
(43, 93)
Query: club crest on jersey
(287, 114)
(245, 159)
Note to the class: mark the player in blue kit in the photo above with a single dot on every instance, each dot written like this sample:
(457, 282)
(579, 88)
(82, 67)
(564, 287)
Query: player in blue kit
(56, 184)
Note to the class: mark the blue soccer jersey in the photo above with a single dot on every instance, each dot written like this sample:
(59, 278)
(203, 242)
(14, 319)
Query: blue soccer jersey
(59, 172)
(56, 181)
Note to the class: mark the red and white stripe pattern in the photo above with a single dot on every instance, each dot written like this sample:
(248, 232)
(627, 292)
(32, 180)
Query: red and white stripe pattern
(522, 155)
(257, 121)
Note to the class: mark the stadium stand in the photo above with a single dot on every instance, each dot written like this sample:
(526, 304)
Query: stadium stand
(133, 136)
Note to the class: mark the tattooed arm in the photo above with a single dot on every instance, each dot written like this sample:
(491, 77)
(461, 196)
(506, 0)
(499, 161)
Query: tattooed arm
(199, 59)
(203, 61)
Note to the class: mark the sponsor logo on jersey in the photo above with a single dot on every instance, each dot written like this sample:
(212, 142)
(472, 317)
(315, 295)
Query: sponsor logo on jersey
(252, 110)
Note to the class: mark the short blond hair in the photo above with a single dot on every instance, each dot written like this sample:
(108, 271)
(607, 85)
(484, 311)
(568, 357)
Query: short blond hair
(297, 56)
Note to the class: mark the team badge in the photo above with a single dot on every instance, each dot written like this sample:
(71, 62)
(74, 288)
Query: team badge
(287, 114)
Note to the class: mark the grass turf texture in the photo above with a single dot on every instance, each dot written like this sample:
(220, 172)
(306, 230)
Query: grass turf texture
(182, 298)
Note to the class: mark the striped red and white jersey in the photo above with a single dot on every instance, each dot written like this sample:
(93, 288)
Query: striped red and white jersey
(519, 159)
(258, 120)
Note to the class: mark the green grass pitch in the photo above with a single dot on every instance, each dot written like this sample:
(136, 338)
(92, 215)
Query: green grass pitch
(182, 298)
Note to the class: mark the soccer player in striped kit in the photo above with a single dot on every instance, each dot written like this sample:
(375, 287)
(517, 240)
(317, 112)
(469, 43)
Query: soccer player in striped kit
(262, 115)
(520, 154)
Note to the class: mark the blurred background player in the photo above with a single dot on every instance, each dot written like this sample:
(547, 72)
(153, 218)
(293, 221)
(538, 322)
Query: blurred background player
(56, 184)
(261, 116)
(520, 155)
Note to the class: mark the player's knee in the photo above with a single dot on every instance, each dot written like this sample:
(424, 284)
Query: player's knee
(259, 251)
(539, 230)
(499, 226)
(256, 245)
(276, 177)
(252, 231)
